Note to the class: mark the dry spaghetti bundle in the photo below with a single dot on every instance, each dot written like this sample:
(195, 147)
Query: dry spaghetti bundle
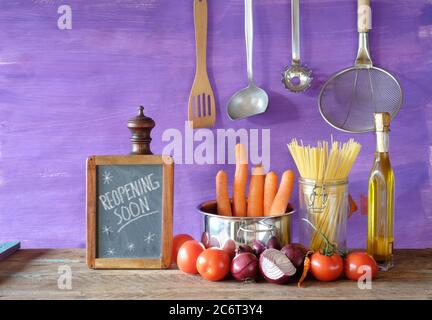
(323, 167)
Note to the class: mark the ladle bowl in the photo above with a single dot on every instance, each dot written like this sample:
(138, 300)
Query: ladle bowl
(247, 102)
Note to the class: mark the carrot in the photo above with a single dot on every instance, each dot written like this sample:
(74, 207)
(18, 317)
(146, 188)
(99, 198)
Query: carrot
(270, 190)
(255, 205)
(240, 181)
(283, 196)
(222, 196)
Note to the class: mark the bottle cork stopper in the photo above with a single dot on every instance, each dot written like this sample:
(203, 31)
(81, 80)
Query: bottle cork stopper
(382, 121)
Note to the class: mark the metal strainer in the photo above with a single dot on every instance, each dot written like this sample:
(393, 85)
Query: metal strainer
(349, 99)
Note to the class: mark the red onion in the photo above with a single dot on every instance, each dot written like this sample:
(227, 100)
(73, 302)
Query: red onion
(230, 248)
(244, 248)
(244, 267)
(273, 243)
(275, 266)
(258, 247)
(214, 242)
(209, 242)
(296, 252)
(205, 239)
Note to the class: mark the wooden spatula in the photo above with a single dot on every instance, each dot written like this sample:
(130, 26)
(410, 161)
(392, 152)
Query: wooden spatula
(202, 107)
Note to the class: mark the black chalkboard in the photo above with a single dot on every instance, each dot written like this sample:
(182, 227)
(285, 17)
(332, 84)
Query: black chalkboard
(129, 211)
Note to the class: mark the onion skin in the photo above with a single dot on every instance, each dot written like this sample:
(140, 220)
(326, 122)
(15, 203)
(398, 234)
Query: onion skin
(276, 267)
(296, 252)
(244, 267)
(273, 243)
(258, 247)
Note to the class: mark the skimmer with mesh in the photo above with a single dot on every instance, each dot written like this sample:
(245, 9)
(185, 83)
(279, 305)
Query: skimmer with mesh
(349, 98)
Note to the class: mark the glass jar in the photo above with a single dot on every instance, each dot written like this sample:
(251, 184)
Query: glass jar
(323, 211)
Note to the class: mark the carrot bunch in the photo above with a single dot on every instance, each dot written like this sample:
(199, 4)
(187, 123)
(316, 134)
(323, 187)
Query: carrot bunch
(265, 198)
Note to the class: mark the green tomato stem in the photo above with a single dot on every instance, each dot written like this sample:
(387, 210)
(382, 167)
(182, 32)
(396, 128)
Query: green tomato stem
(330, 248)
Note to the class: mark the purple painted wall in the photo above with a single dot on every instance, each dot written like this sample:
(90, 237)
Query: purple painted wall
(65, 95)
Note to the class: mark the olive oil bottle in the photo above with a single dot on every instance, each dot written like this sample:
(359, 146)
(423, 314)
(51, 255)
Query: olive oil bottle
(381, 197)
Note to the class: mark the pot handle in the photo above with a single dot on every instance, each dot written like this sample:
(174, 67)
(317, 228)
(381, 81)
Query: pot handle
(269, 228)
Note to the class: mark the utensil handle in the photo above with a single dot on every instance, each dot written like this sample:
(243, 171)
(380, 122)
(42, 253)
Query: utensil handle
(249, 38)
(364, 16)
(200, 22)
(295, 21)
(267, 228)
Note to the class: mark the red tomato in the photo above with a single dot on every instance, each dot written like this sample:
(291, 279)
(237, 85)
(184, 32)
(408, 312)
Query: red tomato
(354, 263)
(326, 268)
(213, 264)
(178, 240)
(188, 254)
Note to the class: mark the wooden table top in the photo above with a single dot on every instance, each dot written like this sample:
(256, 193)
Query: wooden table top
(34, 274)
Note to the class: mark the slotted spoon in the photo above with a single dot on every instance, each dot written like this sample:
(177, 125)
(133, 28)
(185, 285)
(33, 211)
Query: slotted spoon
(296, 77)
(202, 106)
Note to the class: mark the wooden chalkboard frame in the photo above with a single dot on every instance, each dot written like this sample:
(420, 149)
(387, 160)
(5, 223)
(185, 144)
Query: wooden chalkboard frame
(167, 212)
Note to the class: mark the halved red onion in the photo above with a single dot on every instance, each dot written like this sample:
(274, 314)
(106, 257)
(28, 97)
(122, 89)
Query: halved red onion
(275, 266)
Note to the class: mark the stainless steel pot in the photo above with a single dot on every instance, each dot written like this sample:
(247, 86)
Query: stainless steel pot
(243, 230)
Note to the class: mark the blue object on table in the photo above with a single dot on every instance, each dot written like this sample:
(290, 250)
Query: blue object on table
(7, 248)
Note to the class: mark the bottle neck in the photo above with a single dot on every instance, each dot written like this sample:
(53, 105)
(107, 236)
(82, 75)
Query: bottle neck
(382, 141)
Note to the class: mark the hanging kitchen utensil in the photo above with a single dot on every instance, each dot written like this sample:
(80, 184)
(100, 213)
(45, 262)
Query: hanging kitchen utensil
(349, 99)
(296, 77)
(202, 106)
(251, 100)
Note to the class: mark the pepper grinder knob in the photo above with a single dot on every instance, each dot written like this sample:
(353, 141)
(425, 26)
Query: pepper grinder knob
(141, 126)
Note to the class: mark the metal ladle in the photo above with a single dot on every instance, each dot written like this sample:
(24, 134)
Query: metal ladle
(251, 100)
(296, 77)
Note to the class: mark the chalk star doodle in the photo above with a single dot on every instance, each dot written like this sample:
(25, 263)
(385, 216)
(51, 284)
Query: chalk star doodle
(107, 230)
(107, 177)
(111, 252)
(149, 237)
(131, 247)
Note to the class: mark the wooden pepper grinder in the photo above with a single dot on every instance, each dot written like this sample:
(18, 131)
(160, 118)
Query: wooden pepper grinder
(141, 126)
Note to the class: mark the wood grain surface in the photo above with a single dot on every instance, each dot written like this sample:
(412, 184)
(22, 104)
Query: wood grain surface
(34, 273)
